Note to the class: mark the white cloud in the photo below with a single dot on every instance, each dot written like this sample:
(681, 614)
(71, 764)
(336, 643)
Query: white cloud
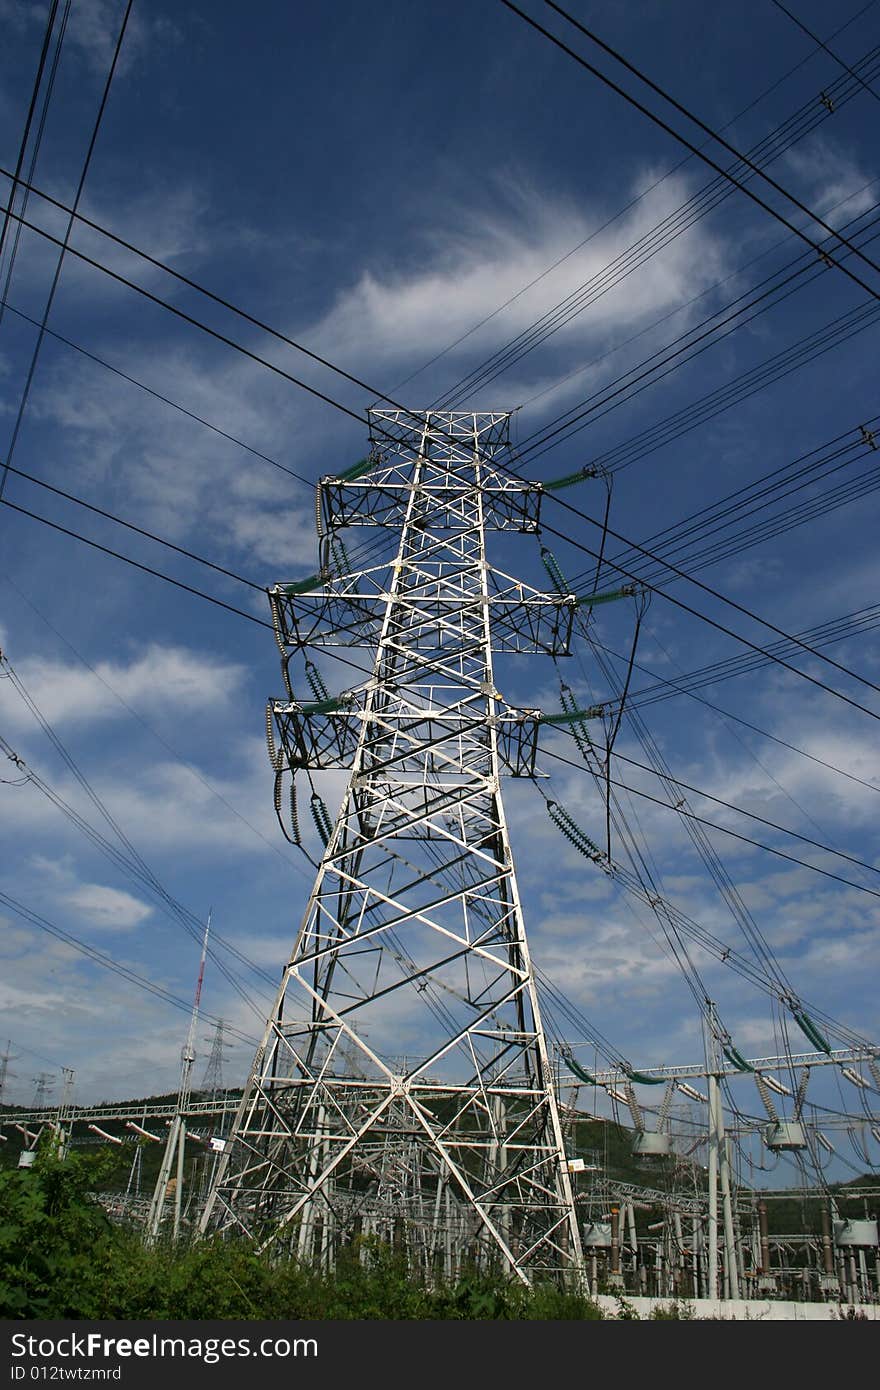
(92, 31)
(107, 908)
(828, 176)
(466, 274)
(158, 678)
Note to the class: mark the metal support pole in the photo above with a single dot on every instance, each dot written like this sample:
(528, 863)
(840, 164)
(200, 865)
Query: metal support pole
(178, 1191)
(828, 1283)
(712, 1253)
(679, 1253)
(160, 1191)
(615, 1280)
(729, 1240)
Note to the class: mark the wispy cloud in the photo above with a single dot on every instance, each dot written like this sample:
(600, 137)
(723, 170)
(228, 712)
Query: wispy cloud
(157, 678)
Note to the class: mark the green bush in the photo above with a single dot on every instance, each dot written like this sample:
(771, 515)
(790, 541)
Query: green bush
(54, 1238)
(60, 1257)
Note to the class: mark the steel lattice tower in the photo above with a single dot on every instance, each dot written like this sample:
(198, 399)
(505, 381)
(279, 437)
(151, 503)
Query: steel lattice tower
(212, 1081)
(413, 941)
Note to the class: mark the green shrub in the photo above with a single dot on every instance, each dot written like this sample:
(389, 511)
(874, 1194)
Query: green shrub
(60, 1257)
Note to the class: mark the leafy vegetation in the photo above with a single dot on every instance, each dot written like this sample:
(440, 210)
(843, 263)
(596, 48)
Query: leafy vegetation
(60, 1257)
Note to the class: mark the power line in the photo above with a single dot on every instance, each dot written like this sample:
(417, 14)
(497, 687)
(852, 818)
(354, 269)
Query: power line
(578, 545)
(815, 39)
(136, 564)
(190, 767)
(759, 496)
(794, 128)
(64, 245)
(725, 830)
(716, 594)
(38, 141)
(132, 866)
(835, 630)
(109, 963)
(664, 318)
(32, 106)
(139, 530)
(708, 332)
(705, 408)
(751, 815)
(158, 574)
(691, 344)
(194, 322)
(329, 400)
(689, 115)
(131, 862)
(208, 294)
(157, 395)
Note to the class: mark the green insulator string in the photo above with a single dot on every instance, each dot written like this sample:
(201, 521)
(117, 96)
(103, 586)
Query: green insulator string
(357, 470)
(642, 1079)
(557, 578)
(316, 681)
(610, 596)
(578, 1070)
(588, 471)
(562, 587)
(304, 586)
(572, 716)
(321, 817)
(634, 1108)
(573, 832)
(295, 832)
(809, 1029)
(285, 671)
(736, 1059)
(327, 706)
(578, 726)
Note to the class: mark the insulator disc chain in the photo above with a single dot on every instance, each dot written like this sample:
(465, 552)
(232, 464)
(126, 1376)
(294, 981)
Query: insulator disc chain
(316, 681)
(276, 622)
(551, 565)
(276, 756)
(573, 832)
(321, 817)
(801, 1092)
(764, 1093)
(578, 727)
(341, 561)
(292, 836)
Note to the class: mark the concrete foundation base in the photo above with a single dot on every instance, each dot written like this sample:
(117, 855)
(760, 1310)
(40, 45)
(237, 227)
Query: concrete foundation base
(740, 1309)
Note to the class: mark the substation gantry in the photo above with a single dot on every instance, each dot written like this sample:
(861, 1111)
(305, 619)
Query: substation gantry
(413, 940)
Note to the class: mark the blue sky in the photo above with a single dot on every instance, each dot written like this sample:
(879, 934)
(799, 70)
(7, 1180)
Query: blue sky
(378, 183)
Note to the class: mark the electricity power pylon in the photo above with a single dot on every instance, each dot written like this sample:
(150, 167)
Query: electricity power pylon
(212, 1081)
(413, 941)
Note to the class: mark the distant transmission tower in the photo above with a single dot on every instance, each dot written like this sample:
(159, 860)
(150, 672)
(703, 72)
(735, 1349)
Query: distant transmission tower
(44, 1083)
(212, 1081)
(5, 1074)
(413, 941)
